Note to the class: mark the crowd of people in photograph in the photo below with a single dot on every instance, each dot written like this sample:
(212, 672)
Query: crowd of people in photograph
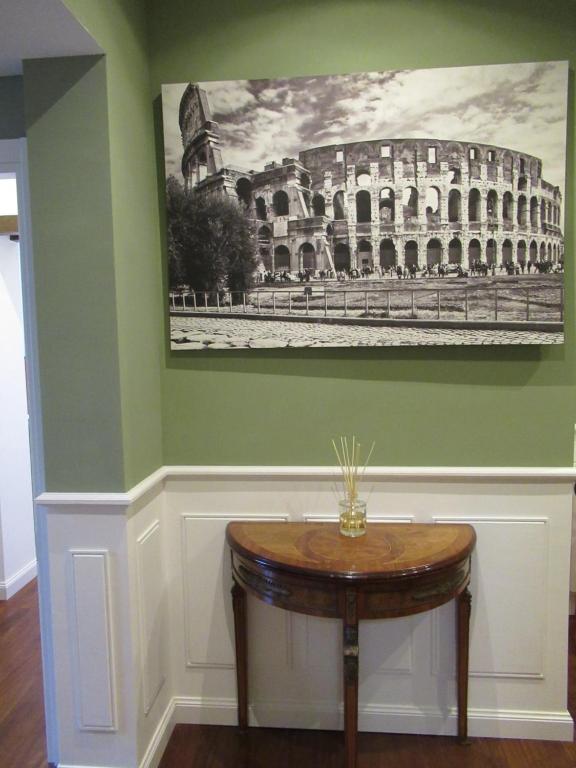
(412, 271)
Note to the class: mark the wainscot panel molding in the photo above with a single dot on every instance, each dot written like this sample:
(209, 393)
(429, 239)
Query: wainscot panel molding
(94, 689)
(160, 592)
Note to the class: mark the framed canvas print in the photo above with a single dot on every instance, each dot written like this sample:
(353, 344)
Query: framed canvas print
(414, 207)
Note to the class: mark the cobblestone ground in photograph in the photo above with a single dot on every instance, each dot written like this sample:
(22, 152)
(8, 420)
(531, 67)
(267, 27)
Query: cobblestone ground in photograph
(237, 333)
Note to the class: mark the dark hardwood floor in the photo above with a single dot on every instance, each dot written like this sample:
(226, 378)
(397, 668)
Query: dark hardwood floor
(22, 742)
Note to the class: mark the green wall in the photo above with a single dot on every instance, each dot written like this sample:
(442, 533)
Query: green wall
(11, 108)
(423, 406)
(120, 27)
(68, 150)
(96, 249)
(117, 403)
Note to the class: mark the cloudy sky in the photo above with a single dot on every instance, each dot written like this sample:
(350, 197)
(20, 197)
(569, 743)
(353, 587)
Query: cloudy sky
(520, 106)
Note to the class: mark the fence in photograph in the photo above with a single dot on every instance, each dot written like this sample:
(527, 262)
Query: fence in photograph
(463, 303)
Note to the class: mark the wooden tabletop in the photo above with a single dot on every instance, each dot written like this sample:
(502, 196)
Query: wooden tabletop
(387, 550)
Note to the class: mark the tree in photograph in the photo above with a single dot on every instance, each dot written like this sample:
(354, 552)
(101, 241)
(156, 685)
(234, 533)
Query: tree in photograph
(210, 242)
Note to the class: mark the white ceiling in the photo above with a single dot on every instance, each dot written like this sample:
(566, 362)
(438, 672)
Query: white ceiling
(35, 29)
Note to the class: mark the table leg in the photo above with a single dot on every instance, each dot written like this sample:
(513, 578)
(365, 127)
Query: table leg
(239, 605)
(463, 609)
(351, 679)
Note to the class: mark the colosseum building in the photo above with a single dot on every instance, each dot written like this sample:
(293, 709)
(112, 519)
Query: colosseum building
(382, 203)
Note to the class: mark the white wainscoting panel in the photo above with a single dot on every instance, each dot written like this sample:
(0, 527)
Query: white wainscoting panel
(519, 574)
(207, 580)
(143, 625)
(94, 690)
(152, 627)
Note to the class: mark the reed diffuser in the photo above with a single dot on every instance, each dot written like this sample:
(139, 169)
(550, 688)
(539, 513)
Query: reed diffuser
(352, 509)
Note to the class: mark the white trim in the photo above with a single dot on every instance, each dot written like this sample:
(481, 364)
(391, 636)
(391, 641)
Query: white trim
(554, 474)
(110, 721)
(18, 580)
(160, 738)
(552, 726)
(117, 503)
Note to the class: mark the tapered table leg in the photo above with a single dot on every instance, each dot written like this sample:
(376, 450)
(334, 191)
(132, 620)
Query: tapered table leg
(351, 680)
(463, 610)
(239, 605)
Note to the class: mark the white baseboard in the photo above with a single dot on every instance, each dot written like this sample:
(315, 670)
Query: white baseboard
(160, 739)
(550, 726)
(18, 580)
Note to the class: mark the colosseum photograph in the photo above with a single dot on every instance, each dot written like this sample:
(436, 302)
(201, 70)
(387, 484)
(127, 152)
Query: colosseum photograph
(413, 207)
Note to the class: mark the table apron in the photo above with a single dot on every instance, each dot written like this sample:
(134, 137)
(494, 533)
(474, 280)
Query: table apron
(376, 599)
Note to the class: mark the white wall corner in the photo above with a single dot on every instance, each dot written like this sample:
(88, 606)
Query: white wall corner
(18, 580)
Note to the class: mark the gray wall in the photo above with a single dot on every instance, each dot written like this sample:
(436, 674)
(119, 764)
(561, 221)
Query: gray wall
(11, 108)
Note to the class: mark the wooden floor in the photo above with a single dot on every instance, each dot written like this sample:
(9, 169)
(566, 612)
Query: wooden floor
(22, 742)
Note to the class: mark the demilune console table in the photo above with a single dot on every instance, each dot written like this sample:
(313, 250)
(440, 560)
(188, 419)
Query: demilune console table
(394, 570)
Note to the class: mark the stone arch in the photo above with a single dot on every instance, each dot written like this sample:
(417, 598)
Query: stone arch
(319, 205)
(280, 203)
(507, 254)
(522, 209)
(491, 252)
(542, 254)
(261, 210)
(474, 251)
(264, 234)
(410, 203)
(455, 251)
(521, 252)
(474, 202)
(308, 256)
(387, 254)
(492, 204)
(432, 203)
(411, 253)
(244, 191)
(364, 253)
(533, 256)
(363, 206)
(433, 252)
(338, 202)
(508, 208)
(341, 257)
(549, 252)
(387, 205)
(454, 206)
(281, 258)
(534, 211)
(265, 247)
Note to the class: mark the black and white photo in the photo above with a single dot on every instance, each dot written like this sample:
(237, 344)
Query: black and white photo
(413, 207)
